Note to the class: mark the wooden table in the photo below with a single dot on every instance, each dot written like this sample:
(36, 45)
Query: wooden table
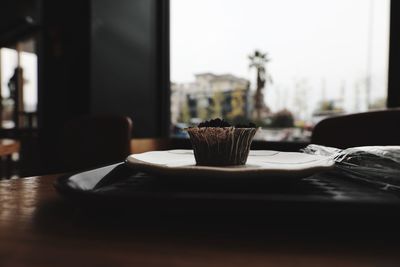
(40, 228)
(7, 148)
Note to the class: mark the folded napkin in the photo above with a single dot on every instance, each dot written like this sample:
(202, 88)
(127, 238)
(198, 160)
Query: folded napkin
(89, 179)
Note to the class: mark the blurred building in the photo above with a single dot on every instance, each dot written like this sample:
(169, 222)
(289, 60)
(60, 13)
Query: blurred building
(209, 96)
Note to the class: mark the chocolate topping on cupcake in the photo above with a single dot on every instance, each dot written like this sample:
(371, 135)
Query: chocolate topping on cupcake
(214, 123)
(223, 123)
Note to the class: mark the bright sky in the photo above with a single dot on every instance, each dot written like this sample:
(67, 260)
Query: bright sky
(321, 44)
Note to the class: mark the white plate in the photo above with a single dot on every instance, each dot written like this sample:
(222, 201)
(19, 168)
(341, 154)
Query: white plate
(260, 163)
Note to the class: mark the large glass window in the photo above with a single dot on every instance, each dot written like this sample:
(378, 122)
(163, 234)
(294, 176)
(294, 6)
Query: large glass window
(284, 64)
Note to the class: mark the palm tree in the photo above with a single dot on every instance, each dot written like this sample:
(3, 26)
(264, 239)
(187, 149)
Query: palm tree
(258, 61)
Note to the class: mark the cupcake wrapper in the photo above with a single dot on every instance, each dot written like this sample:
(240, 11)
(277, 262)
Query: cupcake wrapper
(226, 146)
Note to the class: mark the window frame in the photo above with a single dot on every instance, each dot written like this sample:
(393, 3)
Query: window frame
(393, 97)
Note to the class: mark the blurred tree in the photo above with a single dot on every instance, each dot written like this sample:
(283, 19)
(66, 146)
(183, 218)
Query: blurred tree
(258, 61)
(282, 119)
(328, 106)
(379, 103)
(239, 120)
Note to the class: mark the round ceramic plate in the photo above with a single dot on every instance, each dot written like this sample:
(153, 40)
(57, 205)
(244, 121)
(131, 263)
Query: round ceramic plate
(260, 163)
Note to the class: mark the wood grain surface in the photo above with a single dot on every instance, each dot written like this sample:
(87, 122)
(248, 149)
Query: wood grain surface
(40, 228)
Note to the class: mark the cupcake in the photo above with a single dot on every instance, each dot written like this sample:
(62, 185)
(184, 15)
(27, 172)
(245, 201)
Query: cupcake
(217, 143)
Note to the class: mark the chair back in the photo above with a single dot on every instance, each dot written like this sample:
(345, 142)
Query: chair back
(93, 141)
(380, 127)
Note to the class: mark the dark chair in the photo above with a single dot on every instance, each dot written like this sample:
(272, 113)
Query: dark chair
(380, 127)
(93, 141)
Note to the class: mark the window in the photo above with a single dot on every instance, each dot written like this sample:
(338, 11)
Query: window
(8, 65)
(284, 64)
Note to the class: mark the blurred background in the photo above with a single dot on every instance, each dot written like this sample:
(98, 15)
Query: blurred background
(284, 64)
(170, 64)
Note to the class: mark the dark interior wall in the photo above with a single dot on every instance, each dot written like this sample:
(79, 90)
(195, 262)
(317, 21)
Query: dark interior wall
(14, 24)
(125, 78)
(12, 10)
(63, 59)
(99, 57)
(63, 62)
